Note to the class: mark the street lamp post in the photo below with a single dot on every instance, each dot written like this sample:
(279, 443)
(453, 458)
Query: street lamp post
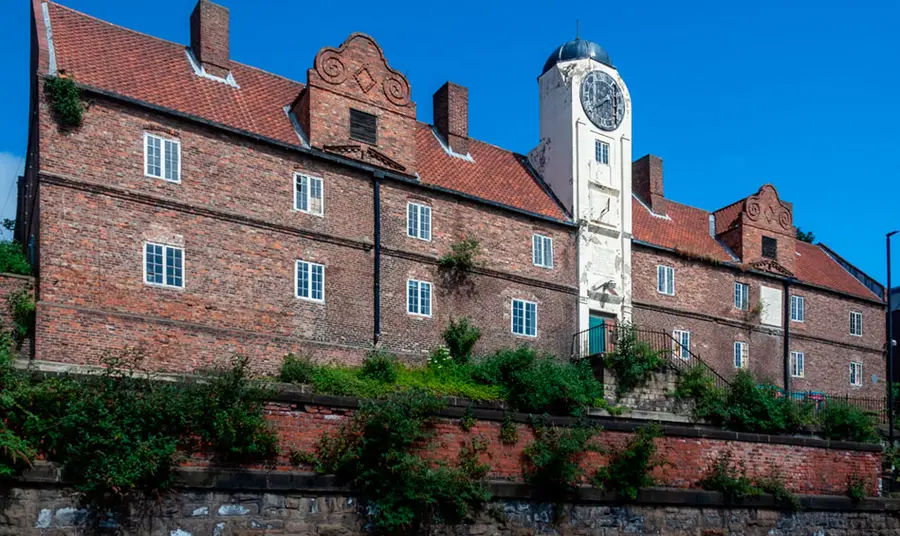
(890, 345)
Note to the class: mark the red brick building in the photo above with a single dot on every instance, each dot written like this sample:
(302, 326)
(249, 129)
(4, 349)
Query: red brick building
(204, 208)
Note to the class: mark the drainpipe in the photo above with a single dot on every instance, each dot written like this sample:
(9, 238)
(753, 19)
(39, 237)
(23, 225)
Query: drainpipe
(376, 283)
(787, 336)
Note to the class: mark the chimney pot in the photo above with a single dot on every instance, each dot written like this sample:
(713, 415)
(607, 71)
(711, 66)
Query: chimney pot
(647, 181)
(210, 37)
(451, 116)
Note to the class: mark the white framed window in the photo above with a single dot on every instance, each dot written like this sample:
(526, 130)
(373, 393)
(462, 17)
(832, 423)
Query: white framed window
(162, 157)
(163, 265)
(856, 323)
(741, 296)
(798, 364)
(418, 297)
(542, 251)
(856, 374)
(798, 309)
(524, 318)
(681, 346)
(741, 354)
(309, 194)
(418, 221)
(665, 280)
(309, 283)
(601, 152)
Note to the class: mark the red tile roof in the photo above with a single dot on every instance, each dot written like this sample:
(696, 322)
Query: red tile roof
(108, 57)
(686, 229)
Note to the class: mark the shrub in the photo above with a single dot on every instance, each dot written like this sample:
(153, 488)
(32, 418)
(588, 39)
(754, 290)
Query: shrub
(773, 483)
(552, 462)
(22, 309)
(463, 255)
(840, 420)
(460, 338)
(856, 488)
(13, 259)
(467, 421)
(65, 99)
(631, 361)
(15, 453)
(380, 366)
(534, 383)
(440, 358)
(509, 433)
(628, 470)
(296, 369)
(729, 478)
(376, 453)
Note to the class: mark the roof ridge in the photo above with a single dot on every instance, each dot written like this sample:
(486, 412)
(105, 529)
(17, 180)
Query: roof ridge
(118, 26)
(741, 200)
(286, 79)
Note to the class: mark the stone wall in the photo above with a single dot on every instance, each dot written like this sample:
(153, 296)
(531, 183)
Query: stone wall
(42, 510)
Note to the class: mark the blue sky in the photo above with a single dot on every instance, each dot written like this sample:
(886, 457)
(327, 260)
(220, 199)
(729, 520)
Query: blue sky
(730, 94)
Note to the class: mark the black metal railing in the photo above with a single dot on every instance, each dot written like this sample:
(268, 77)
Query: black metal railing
(595, 342)
(877, 407)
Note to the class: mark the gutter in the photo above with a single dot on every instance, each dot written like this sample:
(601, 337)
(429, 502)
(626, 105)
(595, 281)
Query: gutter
(354, 164)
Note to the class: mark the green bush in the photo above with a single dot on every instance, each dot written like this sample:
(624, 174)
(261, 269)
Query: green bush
(629, 468)
(462, 257)
(22, 308)
(377, 454)
(13, 259)
(509, 432)
(729, 478)
(553, 461)
(460, 338)
(631, 361)
(856, 488)
(296, 369)
(842, 421)
(773, 483)
(534, 383)
(65, 99)
(380, 366)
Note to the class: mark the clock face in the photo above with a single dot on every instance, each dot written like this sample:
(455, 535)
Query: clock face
(602, 100)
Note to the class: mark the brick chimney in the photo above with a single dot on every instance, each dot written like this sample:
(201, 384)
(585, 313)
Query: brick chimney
(647, 182)
(451, 116)
(210, 36)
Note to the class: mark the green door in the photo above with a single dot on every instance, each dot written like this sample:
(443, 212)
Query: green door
(597, 335)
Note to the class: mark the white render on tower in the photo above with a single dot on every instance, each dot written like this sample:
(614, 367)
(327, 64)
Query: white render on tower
(598, 194)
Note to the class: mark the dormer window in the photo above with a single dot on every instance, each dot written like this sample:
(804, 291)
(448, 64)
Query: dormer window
(769, 247)
(363, 127)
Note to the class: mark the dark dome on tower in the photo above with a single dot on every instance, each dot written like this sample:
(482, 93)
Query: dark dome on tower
(577, 49)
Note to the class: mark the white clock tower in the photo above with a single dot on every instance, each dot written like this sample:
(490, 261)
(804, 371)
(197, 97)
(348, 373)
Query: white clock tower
(585, 156)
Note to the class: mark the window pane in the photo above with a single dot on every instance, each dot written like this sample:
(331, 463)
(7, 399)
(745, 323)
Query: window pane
(172, 157)
(174, 266)
(317, 291)
(548, 252)
(154, 156)
(154, 254)
(303, 280)
(536, 253)
(315, 196)
(660, 283)
(302, 201)
(425, 223)
(412, 220)
(425, 298)
(412, 297)
(530, 319)
(518, 317)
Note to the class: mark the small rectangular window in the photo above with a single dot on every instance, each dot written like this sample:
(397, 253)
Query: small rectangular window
(856, 324)
(418, 221)
(363, 127)
(310, 281)
(418, 297)
(741, 353)
(769, 247)
(308, 194)
(741, 296)
(798, 364)
(163, 265)
(665, 280)
(856, 374)
(162, 158)
(798, 308)
(542, 251)
(524, 318)
(601, 152)
(681, 346)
